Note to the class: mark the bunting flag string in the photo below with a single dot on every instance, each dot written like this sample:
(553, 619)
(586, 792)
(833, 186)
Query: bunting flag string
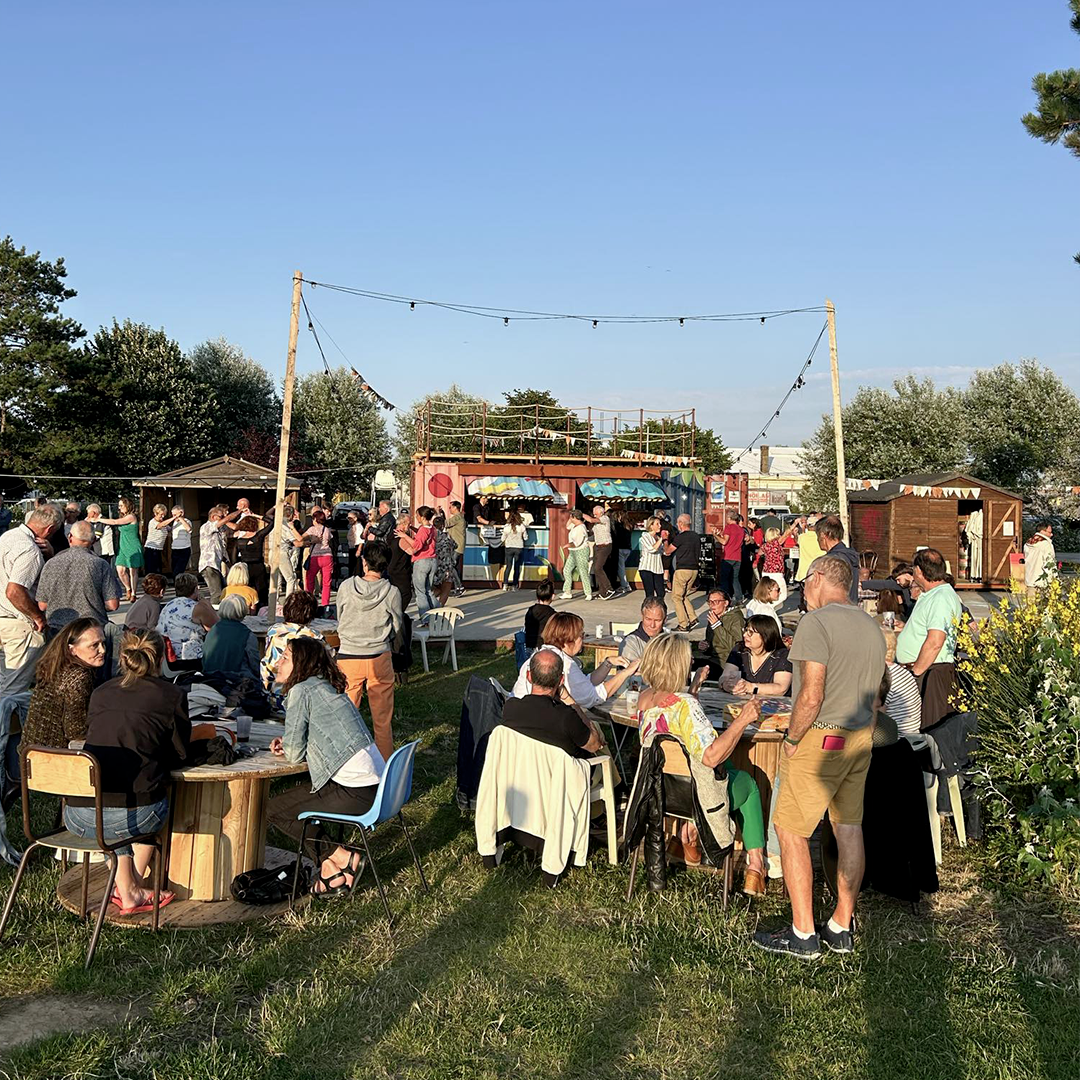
(923, 491)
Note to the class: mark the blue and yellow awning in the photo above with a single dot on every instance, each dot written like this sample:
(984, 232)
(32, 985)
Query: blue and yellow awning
(511, 487)
(623, 490)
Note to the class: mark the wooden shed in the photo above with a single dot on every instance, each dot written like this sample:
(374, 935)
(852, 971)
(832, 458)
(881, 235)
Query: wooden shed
(975, 525)
(198, 488)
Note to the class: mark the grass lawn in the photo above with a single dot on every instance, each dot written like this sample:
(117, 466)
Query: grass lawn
(493, 975)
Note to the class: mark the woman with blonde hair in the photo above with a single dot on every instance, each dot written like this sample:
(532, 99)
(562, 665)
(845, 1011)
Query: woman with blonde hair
(129, 555)
(774, 558)
(138, 730)
(237, 584)
(665, 708)
(158, 530)
(564, 633)
(651, 560)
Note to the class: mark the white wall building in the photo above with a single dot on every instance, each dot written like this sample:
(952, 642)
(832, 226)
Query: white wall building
(774, 477)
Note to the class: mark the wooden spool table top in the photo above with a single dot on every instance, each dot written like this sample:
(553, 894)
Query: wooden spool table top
(261, 765)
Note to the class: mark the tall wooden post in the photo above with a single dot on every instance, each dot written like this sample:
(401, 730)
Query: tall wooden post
(283, 452)
(838, 423)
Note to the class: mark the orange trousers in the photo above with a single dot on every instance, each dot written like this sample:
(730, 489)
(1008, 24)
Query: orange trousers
(377, 677)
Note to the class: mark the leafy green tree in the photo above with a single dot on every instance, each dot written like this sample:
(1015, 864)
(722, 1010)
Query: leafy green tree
(1057, 114)
(715, 456)
(157, 408)
(249, 409)
(36, 342)
(913, 428)
(524, 411)
(1023, 425)
(338, 429)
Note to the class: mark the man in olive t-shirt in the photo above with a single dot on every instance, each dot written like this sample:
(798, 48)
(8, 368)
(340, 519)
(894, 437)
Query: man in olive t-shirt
(838, 655)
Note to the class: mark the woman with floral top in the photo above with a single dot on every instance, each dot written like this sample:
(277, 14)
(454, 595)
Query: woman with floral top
(299, 609)
(665, 709)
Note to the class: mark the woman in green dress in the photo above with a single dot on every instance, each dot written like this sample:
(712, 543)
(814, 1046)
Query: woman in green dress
(129, 557)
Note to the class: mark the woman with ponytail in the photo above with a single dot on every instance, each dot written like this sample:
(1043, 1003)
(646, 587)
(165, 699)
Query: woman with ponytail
(138, 729)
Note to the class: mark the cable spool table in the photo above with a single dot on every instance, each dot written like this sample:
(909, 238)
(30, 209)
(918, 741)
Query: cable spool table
(218, 816)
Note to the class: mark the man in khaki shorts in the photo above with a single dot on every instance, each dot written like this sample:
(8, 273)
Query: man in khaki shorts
(838, 655)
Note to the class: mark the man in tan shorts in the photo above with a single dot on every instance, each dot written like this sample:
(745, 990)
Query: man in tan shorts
(838, 655)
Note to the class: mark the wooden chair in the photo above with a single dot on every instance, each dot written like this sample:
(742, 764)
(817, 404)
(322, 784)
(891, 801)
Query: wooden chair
(75, 774)
(678, 796)
(440, 627)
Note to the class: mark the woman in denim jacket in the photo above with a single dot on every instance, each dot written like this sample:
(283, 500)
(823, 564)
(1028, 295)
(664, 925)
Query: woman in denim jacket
(325, 727)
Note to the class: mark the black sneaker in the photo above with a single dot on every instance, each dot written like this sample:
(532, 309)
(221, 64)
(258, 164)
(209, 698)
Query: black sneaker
(606, 595)
(786, 941)
(841, 942)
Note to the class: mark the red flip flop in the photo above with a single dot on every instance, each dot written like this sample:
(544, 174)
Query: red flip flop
(141, 908)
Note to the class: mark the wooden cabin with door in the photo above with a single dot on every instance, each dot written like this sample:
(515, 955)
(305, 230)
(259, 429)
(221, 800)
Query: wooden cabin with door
(975, 525)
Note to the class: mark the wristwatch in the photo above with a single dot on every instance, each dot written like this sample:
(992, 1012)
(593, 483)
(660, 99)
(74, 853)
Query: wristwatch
(755, 689)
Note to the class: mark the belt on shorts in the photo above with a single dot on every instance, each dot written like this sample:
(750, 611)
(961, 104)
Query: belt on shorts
(821, 725)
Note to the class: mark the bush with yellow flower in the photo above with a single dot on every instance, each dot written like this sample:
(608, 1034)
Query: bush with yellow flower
(1021, 674)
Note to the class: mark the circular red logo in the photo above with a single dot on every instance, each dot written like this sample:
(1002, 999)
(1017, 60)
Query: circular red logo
(440, 485)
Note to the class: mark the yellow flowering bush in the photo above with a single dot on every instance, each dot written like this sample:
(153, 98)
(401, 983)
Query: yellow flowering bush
(1021, 674)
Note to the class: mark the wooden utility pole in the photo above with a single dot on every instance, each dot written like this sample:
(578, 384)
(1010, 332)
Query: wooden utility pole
(283, 453)
(838, 423)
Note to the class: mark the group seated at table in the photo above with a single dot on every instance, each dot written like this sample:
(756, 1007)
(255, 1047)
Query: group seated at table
(324, 727)
(66, 673)
(665, 708)
(137, 728)
(761, 668)
(564, 634)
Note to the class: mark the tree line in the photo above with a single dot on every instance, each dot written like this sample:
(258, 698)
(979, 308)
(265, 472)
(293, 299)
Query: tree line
(1014, 425)
(127, 401)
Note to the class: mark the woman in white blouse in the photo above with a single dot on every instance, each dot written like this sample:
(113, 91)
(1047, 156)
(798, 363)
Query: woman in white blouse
(158, 528)
(564, 633)
(650, 563)
(181, 540)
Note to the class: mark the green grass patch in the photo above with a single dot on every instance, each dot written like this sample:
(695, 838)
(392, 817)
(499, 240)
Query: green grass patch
(493, 975)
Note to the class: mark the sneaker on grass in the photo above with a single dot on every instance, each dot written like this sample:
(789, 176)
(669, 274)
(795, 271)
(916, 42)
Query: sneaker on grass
(787, 941)
(841, 942)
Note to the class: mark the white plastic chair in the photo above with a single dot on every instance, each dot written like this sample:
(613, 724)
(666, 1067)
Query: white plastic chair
(439, 627)
(930, 781)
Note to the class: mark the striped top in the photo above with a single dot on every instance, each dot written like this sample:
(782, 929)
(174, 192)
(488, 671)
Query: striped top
(904, 702)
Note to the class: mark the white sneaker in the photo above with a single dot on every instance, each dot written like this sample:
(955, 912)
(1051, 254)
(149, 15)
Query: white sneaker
(566, 596)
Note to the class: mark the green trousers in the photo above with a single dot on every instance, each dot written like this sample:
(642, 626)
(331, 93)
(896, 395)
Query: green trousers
(746, 805)
(577, 561)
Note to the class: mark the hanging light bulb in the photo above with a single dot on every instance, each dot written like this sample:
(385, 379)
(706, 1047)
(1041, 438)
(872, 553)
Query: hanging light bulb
(595, 323)
(412, 305)
(506, 322)
(762, 320)
(681, 323)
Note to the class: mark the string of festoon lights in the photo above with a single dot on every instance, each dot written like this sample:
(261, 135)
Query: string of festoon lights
(509, 315)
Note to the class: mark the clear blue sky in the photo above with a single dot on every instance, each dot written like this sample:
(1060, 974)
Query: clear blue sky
(589, 156)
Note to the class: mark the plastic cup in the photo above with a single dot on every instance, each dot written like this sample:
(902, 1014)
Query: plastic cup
(599, 630)
(243, 728)
(632, 701)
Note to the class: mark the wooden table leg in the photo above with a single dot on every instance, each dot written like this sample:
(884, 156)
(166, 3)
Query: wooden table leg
(219, 831)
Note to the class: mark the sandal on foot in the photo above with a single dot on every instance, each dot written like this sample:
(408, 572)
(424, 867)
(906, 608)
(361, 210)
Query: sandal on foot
(328, 891)
(164, 900)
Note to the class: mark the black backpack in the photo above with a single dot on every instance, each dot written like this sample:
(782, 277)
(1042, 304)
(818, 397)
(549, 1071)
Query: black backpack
(264, 886)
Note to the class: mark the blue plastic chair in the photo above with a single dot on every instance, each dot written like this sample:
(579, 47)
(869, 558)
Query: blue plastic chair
(395, 787)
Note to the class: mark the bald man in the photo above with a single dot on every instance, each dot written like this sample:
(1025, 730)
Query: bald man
(544, 714)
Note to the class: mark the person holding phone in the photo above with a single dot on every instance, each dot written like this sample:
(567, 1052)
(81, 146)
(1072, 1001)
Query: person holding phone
(839, 658)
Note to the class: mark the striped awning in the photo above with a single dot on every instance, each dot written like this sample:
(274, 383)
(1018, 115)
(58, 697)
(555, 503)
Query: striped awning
(511, 487)
(623, 490)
